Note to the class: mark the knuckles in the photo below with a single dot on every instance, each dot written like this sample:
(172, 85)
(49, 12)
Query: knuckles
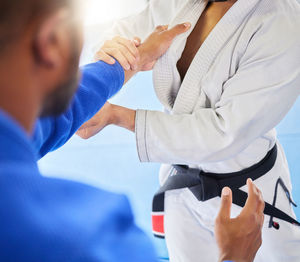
(107, 43)
(116, 38)
(219, 221)
(118, 43)
(159, 28)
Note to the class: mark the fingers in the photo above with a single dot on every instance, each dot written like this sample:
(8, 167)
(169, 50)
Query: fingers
(83, 133)
(119, 56)
(129, 46)
(131, 59)
(123, 50)
(161, 28)
(178, 29)
(86, 125)
(88, 132)
(255, 203)
(137, 41)
(226, 202)
(253, 197)
(260, 208)
(261, 205)
(102, 56)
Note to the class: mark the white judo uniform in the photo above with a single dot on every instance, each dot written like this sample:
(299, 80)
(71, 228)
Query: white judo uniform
(221, 118)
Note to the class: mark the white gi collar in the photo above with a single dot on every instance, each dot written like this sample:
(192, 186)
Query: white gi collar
(166, 70)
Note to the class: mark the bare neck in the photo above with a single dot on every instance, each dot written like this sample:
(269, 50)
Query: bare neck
(18, 97)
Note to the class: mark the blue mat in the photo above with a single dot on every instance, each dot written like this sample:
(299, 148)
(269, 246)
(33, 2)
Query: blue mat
(110, 160)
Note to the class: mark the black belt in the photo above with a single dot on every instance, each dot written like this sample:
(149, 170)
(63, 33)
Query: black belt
(206, 186)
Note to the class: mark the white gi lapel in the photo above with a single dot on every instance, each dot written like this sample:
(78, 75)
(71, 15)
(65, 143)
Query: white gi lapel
(165, 68)
(191, 86)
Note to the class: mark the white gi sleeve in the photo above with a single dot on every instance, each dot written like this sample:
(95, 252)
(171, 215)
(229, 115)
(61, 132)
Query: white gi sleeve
(254, 101)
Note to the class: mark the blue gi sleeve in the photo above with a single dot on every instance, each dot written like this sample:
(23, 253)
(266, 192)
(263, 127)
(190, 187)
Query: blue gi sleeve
(100, 82)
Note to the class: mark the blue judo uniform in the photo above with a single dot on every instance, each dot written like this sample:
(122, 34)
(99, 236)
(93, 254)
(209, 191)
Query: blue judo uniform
(45, 219)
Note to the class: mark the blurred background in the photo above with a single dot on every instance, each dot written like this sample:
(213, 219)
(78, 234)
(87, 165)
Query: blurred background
(109, 160)
(103, 11)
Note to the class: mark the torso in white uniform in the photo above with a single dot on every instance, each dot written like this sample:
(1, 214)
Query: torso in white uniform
(235, 127)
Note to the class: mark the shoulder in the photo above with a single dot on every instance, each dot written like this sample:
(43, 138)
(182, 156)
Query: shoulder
(277, 7)
(282, 16)
(63, 199)
(272, 31)
(61, 219)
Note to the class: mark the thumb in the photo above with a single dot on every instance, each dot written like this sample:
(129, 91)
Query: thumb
(161, 28)
(137, 41)
(178, 29)
(226, 202)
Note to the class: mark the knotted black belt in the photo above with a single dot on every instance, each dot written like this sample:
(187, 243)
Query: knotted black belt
(206, 186)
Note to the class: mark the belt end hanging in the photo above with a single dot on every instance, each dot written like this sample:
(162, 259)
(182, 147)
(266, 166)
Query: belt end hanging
(158, 224)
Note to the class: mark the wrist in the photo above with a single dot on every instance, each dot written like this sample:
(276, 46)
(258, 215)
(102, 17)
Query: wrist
(225, 257)
(123, 117)
(114, 116)
(144, 57)
(228, 258)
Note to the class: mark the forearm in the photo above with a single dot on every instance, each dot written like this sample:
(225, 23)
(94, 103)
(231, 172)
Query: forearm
(129, 74)
(227, 257)
(123, 117)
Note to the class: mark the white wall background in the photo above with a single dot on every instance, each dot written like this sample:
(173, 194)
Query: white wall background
(103, 11)
(100, 16)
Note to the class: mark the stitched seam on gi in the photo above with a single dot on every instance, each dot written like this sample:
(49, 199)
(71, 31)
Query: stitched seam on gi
(145, 136)
(136, 134)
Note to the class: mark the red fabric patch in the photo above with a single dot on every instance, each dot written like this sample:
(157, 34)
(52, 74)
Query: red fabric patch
(158, 224)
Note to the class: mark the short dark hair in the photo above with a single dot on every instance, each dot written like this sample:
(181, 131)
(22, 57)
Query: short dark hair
(15, 15)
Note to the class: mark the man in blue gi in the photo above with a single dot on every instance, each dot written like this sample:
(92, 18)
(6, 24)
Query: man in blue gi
(45, 219)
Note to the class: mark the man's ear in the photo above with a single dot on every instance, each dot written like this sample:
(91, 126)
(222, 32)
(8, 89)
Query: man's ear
(48, 38)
